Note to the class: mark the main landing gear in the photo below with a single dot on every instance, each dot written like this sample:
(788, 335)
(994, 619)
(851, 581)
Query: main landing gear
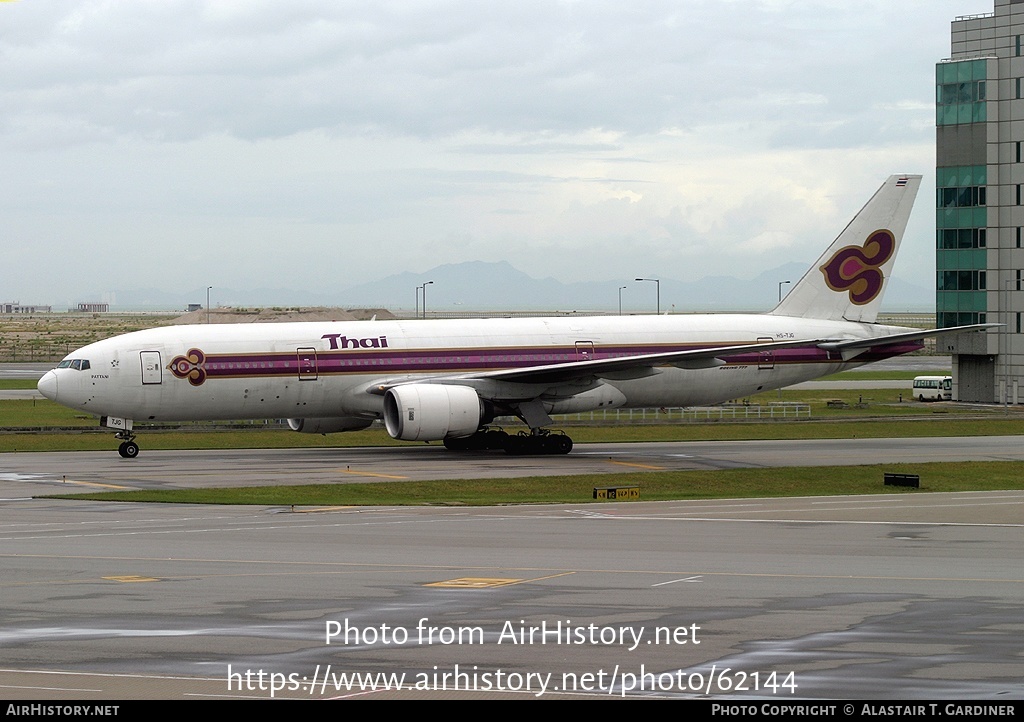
(128, 448)
(534, 443)
(538, 441)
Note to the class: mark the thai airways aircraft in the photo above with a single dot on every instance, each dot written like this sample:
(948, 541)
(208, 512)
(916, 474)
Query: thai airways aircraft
(448, 379)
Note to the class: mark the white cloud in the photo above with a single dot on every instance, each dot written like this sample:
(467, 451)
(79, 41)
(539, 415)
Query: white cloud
(159, 143)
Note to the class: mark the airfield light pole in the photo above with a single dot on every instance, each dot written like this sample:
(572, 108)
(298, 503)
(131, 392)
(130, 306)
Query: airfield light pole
(208, 289)
(658, 282)
(424, 287)
(621, 289)
(417, 301)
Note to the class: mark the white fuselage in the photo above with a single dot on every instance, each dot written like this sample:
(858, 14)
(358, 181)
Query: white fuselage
(335, 369)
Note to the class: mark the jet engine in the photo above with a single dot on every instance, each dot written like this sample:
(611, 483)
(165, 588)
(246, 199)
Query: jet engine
(328, 425)
(430, 412)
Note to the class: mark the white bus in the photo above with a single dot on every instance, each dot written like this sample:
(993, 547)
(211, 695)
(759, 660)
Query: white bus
(933, 388)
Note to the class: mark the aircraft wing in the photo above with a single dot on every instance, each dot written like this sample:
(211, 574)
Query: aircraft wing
(851, 348)
(530, 382)
(627, 367)
(639, 366)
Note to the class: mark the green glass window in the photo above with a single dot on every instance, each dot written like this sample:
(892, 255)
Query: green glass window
(960, 92)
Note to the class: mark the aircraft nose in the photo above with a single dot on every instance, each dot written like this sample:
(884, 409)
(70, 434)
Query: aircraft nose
(48, 385)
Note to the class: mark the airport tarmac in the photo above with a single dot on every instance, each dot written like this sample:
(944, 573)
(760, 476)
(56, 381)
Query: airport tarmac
(897, 596)
(880, 597)
(27, 474)
(23, 372)
(26, 370)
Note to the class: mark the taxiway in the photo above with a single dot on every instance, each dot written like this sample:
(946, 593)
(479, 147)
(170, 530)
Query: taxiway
(879, 597)
(897, 596)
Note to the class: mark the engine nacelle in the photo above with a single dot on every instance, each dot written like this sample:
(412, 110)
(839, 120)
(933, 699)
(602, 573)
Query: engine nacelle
(430, 412)
(328, 425)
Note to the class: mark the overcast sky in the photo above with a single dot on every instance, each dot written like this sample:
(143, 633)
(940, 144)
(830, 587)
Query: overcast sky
(178, 144)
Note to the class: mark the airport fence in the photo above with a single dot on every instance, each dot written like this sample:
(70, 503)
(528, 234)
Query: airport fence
(780, 410)
(673, 415)
(39, 352)
(683, 414)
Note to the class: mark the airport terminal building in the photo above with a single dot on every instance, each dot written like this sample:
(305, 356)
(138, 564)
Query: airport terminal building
(979, 179)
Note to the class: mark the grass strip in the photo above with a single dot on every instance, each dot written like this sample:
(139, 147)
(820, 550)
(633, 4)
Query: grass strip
(654, 486)
(17, 384)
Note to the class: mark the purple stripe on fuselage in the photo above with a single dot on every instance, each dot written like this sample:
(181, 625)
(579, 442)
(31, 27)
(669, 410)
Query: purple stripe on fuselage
(393, 360)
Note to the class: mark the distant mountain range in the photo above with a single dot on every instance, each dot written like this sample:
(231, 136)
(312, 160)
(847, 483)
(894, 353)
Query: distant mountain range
(481, 286)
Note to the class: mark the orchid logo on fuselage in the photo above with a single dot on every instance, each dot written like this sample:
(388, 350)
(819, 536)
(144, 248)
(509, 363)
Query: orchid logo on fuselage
(858, 269)
(191, 366)
(337, 341)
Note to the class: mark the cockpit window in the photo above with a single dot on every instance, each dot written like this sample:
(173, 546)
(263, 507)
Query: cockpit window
(64, 364)
(78, 364)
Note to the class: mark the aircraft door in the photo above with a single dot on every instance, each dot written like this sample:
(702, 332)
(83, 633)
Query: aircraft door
(307, 364)
(766, 359)
(152, 370)
(584, 350)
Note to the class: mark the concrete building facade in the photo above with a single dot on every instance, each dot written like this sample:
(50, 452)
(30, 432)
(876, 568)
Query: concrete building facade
(18, 307)
(979, 179)
(93, 307)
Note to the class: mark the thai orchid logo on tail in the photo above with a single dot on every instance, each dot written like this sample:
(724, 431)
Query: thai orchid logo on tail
(858, 269)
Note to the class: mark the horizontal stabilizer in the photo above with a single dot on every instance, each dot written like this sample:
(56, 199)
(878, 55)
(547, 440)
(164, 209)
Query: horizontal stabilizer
(854, 347)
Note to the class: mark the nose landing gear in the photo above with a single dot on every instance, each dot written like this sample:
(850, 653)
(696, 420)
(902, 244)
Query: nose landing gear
(123, 431)
(128, 448)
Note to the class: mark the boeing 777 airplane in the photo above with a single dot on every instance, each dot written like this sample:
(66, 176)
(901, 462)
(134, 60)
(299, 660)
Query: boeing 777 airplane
(447, 380)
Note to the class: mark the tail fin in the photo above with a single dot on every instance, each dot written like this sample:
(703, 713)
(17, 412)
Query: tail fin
(848, 281)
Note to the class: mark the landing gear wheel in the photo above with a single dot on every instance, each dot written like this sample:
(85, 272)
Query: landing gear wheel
(557, 444)
(549, 445)
(128, 449)
(456, 444)
(542, 443)
(482, 440)
(495, 439)
(517, 445)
